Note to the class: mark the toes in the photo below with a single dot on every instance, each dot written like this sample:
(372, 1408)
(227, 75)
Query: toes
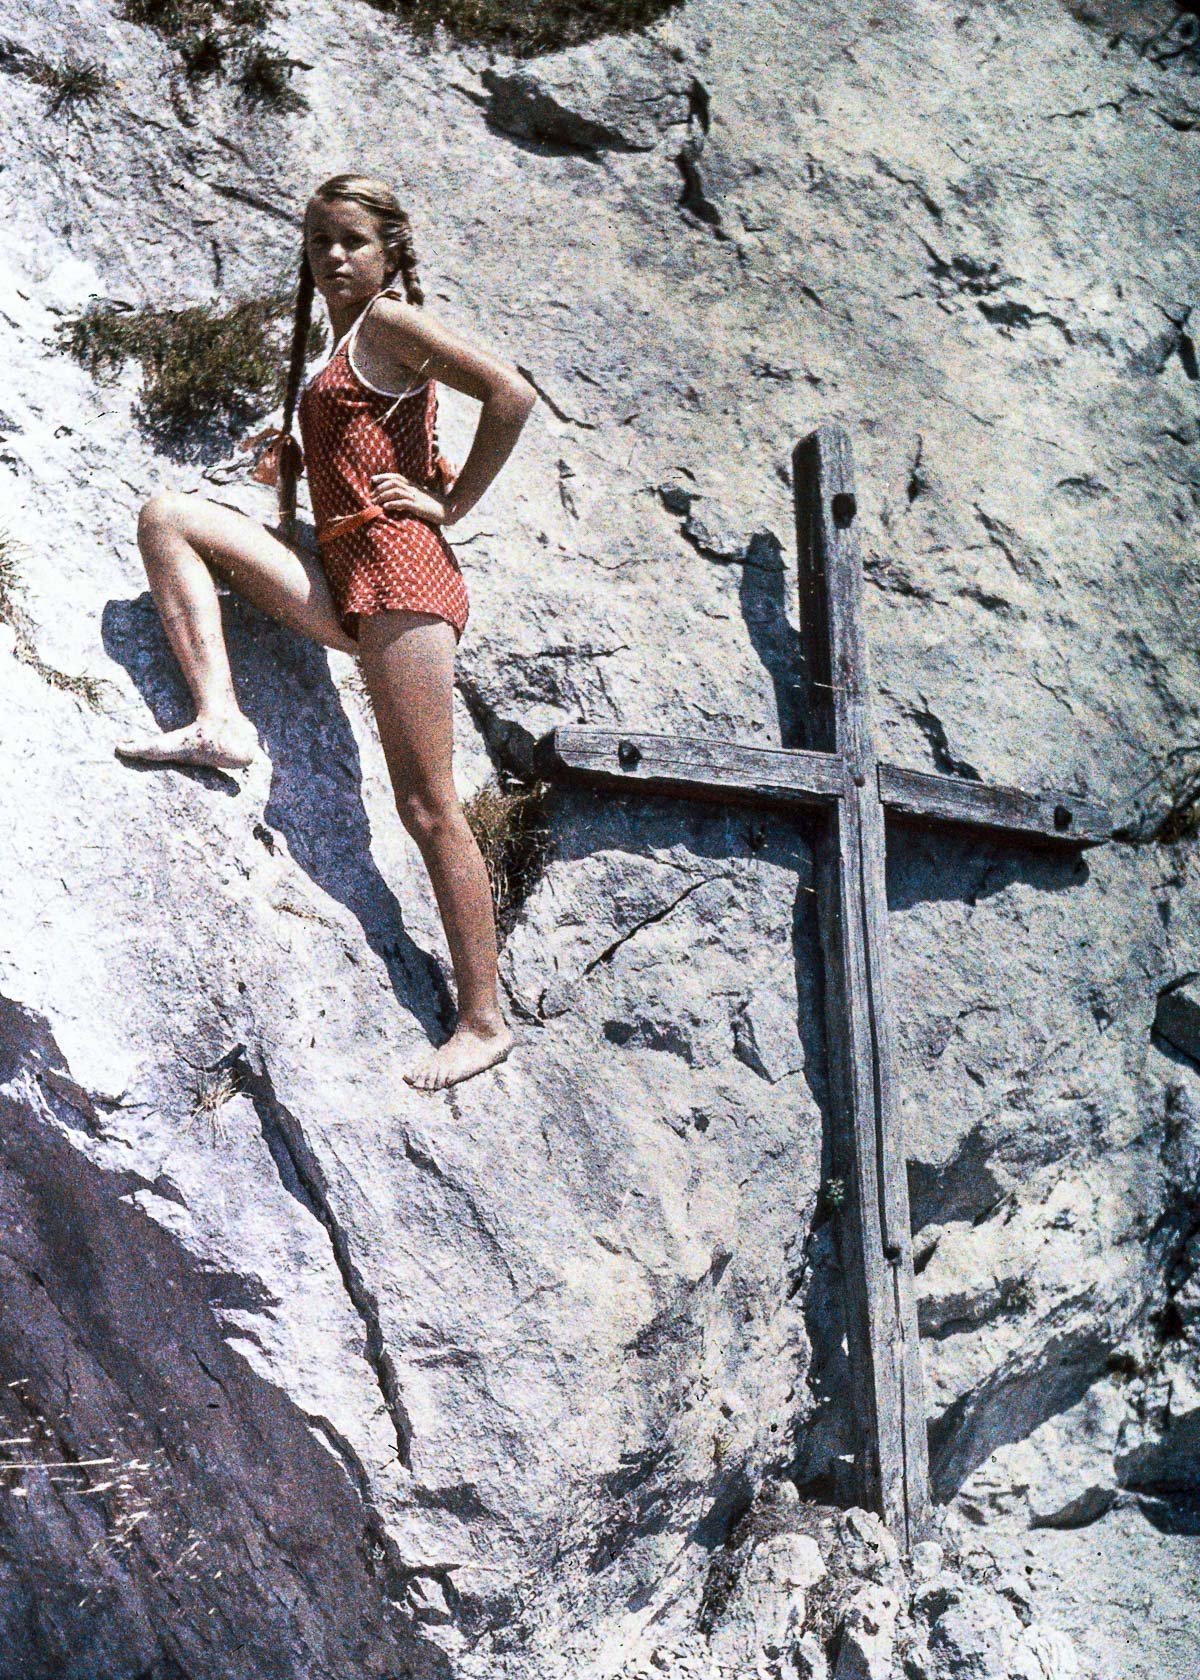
(452, 1063)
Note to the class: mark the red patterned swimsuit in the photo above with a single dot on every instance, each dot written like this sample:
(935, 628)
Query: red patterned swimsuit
(352, 430)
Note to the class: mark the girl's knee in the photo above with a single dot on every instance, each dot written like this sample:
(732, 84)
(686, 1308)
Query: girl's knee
(428, 814)
(164, 514)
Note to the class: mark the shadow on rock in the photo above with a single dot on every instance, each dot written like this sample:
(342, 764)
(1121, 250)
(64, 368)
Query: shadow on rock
(932, 865)
(285, 687)
(183, 1515)
(761, 597)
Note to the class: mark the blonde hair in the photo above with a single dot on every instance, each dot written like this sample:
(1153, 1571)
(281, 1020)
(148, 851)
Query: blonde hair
(395, 234)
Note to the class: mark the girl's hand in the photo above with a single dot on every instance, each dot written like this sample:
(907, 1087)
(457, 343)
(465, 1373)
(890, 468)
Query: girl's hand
(399, 495)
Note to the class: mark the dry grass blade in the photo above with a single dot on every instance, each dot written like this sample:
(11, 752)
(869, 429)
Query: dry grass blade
(13, 554)
(10, 576)
(214, 1088)
(510, 829)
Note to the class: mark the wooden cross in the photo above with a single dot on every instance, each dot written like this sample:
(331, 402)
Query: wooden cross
(850, 791)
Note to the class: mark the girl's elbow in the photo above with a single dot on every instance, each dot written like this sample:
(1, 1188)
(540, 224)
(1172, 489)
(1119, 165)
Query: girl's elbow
(524, 398)
(514, 399)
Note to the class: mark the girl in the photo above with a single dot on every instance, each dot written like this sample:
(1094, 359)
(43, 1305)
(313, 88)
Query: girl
(386, 585)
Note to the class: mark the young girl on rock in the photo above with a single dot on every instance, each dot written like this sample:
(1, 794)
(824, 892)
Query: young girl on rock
(384, 584)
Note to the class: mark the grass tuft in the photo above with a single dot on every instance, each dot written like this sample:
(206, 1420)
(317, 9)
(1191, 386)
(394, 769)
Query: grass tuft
(510, 829)
(265, 79)
(201, 365)
(208, 34)
(12, 552)
(181, 21)
(211, 1092)
(68, 84)
(72, 83)
(539, 26)
(202, 55)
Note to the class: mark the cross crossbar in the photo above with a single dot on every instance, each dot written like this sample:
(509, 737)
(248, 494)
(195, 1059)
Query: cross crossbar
(782, 778)
(849, 791)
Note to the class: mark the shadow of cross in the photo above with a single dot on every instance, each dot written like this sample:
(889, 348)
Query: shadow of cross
(850, 791)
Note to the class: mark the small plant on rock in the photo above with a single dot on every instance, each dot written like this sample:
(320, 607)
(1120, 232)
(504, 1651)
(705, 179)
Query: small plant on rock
(214, 1088)
(12, 553)
(202, 365)
(833, 1195)
(540, 26)
(71, 84)
(202, 55)
(184, 21)
(265, 79)
(508, 821)
(208, 34)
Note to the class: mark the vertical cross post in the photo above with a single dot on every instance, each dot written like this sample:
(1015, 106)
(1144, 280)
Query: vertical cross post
(867, 1153)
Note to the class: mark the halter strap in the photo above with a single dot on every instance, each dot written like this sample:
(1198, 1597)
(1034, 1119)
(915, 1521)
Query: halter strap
(349, 337)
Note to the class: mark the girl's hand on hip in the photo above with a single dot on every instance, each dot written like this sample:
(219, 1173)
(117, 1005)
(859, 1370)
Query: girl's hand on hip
(399, 495)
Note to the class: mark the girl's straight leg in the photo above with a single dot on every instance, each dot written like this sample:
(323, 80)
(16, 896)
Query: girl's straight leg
(408, 662)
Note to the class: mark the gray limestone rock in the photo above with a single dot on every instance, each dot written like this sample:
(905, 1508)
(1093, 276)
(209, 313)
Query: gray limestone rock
(611, 95)
(868, 1635)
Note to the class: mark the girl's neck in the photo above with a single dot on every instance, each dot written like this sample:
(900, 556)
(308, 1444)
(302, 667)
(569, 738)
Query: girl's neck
(346, 314)
(344, 317)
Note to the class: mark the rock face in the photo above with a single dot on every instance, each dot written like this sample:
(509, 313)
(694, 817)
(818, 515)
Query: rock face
(306, 1374)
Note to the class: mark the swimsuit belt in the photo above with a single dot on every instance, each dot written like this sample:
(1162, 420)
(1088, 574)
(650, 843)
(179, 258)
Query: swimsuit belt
(341, 527)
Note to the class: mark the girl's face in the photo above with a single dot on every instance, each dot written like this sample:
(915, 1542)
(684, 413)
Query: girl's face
(345, 253)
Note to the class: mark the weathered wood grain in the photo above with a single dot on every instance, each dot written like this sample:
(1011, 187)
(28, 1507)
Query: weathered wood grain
(696, 768)
(873, 1228)
(1056, 818)
(841, 780)
(699, 768)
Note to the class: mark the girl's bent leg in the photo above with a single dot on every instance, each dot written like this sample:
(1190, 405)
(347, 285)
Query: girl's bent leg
(408, 663)
(183, 540)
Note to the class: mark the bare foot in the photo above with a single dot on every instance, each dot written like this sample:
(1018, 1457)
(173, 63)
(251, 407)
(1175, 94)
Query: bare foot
(465, 1053)
(223, 743)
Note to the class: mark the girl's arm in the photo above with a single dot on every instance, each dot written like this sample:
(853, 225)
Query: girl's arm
(404, 342)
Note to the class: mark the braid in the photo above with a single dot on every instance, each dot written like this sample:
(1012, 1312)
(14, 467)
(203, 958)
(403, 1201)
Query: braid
(288, 463)
(400, 248)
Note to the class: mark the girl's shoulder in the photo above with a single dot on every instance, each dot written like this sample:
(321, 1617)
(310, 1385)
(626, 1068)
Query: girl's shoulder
(391, 311)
